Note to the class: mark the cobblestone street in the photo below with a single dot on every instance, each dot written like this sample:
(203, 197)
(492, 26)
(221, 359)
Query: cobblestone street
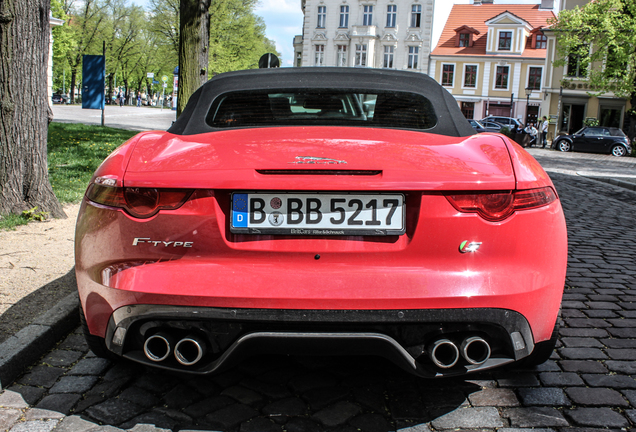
(588, 384)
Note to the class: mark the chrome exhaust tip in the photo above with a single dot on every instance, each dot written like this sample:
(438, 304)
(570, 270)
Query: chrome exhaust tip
(475, 350)
(189, 350)
(158, 347)
(444, 353)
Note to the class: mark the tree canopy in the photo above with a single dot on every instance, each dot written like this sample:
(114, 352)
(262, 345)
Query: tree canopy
(598, 41)
(139, 41)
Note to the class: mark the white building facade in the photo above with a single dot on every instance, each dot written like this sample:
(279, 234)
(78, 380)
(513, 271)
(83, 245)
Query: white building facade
(392, 34)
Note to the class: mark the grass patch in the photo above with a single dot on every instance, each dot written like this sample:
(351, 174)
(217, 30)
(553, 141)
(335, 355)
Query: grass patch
(11, 221)
(75, 151)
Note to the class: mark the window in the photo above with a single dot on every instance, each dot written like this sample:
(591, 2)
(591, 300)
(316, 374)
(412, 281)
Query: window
(414, 53)
(534, 78)
(388, 56)
(470, 76)
(367, 16)
(341, 61)
(322, 16)
(320, 55)
(542, 41)
(464, 39)
(299, 59)
(391, 13)
(577, 66)
(416, 15)
(468, 109)
(501, 78)
(448, 72)
(505, 40)
(344, 16)
(361, 55)
(321, 107)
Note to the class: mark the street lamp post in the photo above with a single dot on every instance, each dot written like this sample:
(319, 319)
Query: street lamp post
(528, 93)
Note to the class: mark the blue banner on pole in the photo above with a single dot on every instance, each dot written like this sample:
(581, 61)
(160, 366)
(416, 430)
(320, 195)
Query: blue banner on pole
(93, 80)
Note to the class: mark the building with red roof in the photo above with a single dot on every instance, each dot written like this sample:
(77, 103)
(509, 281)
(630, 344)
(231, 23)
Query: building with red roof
(491, 57)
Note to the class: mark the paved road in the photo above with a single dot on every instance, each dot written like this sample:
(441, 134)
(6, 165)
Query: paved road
(126, 117)
(588, 384)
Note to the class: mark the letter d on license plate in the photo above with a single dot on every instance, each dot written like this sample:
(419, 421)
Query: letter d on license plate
(317, 214)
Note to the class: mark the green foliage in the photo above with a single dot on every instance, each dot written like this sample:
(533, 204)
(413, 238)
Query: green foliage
(507, 131)
(139, 41)
(237, 36)
(75, 151)
(34, 215)
(591, 122)
(601, 37)
(11, 221)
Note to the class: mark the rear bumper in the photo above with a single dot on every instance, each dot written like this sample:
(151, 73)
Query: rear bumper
(403, 336)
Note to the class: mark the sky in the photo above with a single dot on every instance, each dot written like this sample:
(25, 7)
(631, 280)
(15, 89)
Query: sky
(284, 20)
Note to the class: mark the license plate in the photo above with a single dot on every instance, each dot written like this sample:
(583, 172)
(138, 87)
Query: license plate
(317, 214)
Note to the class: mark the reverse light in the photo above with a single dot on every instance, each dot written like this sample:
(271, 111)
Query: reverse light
(498, 206)
(138, 202)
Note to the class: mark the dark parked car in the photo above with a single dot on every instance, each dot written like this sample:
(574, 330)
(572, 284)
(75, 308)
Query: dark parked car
(59, 99)
(595, 140)
(485, 126)
(506, 121)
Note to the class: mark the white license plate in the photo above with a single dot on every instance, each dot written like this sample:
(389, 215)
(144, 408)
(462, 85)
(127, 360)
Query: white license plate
(317, 213)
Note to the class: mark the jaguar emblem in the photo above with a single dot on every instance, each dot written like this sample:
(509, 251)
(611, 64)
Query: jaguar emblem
(316, 160)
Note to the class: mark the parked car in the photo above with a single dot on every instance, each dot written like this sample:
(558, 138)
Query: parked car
(59, 99)
(278, 215)
(509, 122)
(486, 126)
(595, 140)
(492, 126)
(477, 126)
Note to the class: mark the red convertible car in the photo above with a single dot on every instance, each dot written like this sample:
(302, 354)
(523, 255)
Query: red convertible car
(327, 211)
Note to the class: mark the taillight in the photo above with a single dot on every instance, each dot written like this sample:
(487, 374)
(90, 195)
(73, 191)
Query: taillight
(499, 205)
(138, 202)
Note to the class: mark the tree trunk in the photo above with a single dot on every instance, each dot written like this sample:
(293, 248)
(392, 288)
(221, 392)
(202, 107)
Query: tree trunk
(631, 131)
(194, 39)
(73, 83)
(110, 88)
(24, 53)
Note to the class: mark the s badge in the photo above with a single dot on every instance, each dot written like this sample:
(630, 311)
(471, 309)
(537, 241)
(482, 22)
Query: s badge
(466, 247)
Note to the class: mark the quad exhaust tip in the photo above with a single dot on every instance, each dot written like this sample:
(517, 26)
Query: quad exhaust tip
(444, 353)
(158, 347)
(189, 350)
(475, 350)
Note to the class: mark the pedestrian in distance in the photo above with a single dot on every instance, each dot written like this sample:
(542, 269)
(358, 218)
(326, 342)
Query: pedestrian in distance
(121, 98)
(544, 131)
(138, 99)
(532, 134)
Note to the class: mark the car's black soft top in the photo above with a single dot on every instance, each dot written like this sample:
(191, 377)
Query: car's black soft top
(450, 120)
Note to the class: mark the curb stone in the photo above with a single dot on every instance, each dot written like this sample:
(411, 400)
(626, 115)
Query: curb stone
(30, 343)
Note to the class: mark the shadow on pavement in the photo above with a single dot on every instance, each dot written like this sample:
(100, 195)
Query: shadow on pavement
(264, 393)
(26, 310)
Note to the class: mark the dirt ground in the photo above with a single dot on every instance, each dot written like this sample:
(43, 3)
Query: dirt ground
(36, 269)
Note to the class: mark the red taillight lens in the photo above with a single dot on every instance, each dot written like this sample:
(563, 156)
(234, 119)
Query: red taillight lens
(138, 202)
(498, 206)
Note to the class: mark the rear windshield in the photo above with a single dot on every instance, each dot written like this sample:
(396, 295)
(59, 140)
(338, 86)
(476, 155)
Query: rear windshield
(321, 107)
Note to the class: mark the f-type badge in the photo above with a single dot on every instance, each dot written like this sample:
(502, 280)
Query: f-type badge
(316, 160)
(466, 247)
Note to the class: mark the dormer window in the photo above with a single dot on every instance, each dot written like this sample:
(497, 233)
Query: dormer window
(464, 36)
(505, 40)
(464, 39)
(541, 41)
